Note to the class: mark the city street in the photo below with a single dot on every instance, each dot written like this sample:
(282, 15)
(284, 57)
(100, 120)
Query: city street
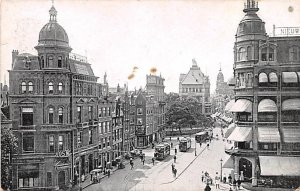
(160, 177)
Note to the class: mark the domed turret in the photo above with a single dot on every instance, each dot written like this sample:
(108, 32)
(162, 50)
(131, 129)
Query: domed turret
(251, 23)
(52, 33)
(220, 77)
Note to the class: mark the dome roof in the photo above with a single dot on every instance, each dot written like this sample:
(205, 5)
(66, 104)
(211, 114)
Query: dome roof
(52, 33)
(251, 23)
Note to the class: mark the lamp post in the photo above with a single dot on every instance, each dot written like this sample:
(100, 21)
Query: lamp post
(221, 170)
(195, 147)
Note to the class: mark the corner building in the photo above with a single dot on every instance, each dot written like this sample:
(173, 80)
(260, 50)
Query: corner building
(53, 107)
(267, 104)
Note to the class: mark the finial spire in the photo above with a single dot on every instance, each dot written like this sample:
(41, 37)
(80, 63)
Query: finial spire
(52, 13)
(251, 5)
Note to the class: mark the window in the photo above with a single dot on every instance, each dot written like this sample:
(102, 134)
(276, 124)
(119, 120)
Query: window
(90, 112)
(30, 87)
(268, 146)
(271, 54)
(50, 61)
(90, 136)
(104, 112)
(78, 114)
(262, 78)
(249, 80)
(27, 116)
(104, 142)
(139, 121)
(139, 111)
(100, 128)
(105, 126)
(50, 115)
(50, 88)
(273, 77)
(249, 53)
(60, 143)
(79, 138)
(108, 111)
(51, 143)
(242, 54)
(42, 60)
(59, 62)
(49, 179)
(60, 87)
(293, 54)
(108, 126)
(23, 87)
(28, 179)
(60, 115)
(28, 142)
(264, 54)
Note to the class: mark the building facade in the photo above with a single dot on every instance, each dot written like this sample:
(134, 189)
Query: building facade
(53, 108)
(267, 103)
(196, 84)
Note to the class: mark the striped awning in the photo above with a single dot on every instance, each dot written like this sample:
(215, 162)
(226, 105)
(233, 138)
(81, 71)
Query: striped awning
(291, 104)
(228, 162)
(291, 135)
(242, 105)
(289, 77)
(230, 129)
(273, 77)
(262, 78)
(241, 134)
(268, 135)
(267, 105)
(279, 166)
(229, 105)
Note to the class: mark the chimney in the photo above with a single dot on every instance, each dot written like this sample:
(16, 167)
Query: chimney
(15, 53)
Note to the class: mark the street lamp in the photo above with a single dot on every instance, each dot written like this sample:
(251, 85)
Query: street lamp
(195, 147)
(221, 169)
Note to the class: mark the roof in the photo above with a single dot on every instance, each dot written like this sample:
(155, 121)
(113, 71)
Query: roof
(194, 76)
(81, 68)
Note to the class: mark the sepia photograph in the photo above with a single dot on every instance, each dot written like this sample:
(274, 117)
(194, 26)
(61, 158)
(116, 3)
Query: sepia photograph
(150, 95)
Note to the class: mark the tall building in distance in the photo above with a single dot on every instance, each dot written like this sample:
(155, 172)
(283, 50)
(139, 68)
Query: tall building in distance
(267, 102)
(196, 84)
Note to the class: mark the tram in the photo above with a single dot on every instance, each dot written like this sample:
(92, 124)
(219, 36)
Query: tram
(202, 136)
(162, 151)
(185, 144)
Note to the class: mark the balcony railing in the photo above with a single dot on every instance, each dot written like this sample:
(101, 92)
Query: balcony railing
(238, 151)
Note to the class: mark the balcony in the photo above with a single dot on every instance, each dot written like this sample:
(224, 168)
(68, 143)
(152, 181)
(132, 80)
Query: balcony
(240, 152)
(162, 102)
(57, 127)
(27, 127)
(290, 124)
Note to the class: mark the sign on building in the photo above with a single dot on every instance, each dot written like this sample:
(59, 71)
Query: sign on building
(286, 31)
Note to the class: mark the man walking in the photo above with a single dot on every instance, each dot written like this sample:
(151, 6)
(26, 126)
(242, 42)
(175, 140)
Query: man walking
(174, 158)
(153, 160)
(175, 172)
(175, 151)
(131, 163)
(217, 181)
(143, 160)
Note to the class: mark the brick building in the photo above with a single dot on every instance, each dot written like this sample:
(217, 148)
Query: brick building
(267, 103)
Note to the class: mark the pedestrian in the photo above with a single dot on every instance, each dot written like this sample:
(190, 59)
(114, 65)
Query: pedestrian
(174, 158)
(143, 161)
(171, 145)
(217, 181)
(230, 179)
(131, 163)
(98, 177)
(108, 173)
(200, 144)
(173, 167)
(175, 151)
(153, 160)
(202, 177)
(230, 189)
(175, 172)
(234, 184)
(178, 139)
(238, 183)
(207, 188)
(207, 145)
(224, 178)
(170, 138)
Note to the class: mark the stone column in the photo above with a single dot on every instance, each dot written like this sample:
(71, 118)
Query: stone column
(254, 173)
(236, 167)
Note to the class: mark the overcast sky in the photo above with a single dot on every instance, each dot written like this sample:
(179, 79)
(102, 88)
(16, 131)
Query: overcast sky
(116, 36)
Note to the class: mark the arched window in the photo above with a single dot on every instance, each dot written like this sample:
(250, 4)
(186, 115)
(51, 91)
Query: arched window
(242, 54)
(30, 87)
(273, 77)
(23, 87)
(293, 54)
(60, 87)
(50, 61)
(249, 53)
(60, 115)
(264, 54)
(50, 115)
(59, 62)
(263, 78)
(50, 88)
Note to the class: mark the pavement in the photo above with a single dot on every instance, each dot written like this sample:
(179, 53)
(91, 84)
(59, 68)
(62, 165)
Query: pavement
(159, 176)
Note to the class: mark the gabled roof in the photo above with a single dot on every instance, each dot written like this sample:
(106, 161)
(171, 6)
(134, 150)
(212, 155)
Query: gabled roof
(194, 76)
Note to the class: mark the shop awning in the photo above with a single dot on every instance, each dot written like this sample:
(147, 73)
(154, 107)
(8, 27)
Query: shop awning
(289, 77)
(291, 135)
(241, 134)
(242, 105)
(279, 166)
(267, 105)
(228, 162)
(291, 104)
(230, 129)
(229, 105)
(273, 77)
(268, 135)
(262, 78)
